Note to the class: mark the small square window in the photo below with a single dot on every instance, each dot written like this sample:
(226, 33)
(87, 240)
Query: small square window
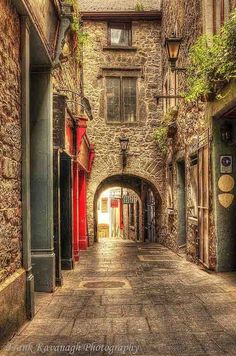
(120, 34)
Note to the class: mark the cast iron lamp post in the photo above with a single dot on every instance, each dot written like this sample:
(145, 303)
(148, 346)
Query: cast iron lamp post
(124, 142)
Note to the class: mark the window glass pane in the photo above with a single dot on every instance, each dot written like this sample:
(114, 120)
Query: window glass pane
(119, 34)
(129, 99)
(113, 99)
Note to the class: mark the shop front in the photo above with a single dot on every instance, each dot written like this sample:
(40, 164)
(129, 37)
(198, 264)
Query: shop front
(73, 157)
(82, 167)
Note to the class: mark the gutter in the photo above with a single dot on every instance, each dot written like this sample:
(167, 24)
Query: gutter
(123, 15)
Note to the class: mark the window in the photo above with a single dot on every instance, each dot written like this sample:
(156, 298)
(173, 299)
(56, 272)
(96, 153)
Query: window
(170, 201)
(215, 13)
(120, 34)
(194, 187)
(121, 99)
(220, 13)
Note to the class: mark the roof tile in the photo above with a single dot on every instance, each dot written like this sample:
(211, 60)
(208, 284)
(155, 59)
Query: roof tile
(117, 5)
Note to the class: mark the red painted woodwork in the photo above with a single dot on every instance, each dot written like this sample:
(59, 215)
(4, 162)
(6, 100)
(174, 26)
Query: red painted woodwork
(76, 209)
(80, 132)
(69, 139)
(114, 203)
(83, 233)
(121, 214)
(83, 155)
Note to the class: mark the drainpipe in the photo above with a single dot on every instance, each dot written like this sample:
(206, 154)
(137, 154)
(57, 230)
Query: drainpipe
(66, 18)
(26, 212)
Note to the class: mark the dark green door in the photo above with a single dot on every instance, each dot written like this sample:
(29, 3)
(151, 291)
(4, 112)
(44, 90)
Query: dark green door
(66, 211)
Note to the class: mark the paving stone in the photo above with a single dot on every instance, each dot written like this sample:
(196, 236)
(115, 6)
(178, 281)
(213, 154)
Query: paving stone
(176, 310)
(50, 327)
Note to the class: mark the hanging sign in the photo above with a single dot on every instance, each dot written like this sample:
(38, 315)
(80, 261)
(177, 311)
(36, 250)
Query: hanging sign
(226, 164)
(114, 203)
(104, 205)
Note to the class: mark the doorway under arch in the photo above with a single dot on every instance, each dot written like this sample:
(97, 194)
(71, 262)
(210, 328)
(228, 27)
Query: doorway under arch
(143, 213)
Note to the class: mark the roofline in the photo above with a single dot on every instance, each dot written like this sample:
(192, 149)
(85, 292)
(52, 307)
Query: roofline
(122, 15)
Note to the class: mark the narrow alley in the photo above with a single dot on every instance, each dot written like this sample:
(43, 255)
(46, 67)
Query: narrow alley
(117, 177)
(133, 298)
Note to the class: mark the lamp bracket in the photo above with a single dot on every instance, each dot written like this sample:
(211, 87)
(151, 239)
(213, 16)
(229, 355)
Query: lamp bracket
(158, 97)
(179, 69)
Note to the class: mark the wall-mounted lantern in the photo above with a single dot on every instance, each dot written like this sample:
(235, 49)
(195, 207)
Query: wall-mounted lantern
(172, 45)
(226, 131)
(124, 143)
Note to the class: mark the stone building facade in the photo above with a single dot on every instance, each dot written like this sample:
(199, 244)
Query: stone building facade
(195, 214)
(12, 277)
(10, 138)
(140, 60)
(32, 36)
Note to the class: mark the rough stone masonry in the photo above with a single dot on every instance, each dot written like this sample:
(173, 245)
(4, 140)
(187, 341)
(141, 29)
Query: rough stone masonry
(144, 159)
(10, 142)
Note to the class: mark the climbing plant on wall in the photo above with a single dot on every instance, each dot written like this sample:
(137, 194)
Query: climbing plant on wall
(161, 134)
(212, 63)
(81, 37)
(139, 6)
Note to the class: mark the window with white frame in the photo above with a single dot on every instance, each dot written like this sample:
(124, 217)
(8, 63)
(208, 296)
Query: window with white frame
(119, 34)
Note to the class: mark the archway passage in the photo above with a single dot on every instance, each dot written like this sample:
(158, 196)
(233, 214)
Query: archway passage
(127, 207)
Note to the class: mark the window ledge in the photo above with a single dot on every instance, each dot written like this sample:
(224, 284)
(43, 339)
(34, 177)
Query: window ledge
(120, 48)
(123, 123)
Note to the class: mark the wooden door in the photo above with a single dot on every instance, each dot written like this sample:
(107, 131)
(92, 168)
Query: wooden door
(57, 214)
(66, 211)
(203, 199)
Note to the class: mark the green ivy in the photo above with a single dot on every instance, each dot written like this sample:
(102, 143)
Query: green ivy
(82, 37)
(212, 62)
(160, 136)
(161, 133)
(139, 6)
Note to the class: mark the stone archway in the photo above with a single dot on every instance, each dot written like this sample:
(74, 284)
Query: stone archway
(142, 187)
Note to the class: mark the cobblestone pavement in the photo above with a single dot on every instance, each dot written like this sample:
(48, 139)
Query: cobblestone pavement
(129, 298)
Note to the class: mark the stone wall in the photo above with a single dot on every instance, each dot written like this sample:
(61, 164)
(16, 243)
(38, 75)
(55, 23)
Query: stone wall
(45, 15)
(144, 158)
(10, 142)
(68, 74)
(13, 308)
(187, 20)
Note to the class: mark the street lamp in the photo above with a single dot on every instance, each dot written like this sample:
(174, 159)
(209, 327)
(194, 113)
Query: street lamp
(172, 45)
(124, 142)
